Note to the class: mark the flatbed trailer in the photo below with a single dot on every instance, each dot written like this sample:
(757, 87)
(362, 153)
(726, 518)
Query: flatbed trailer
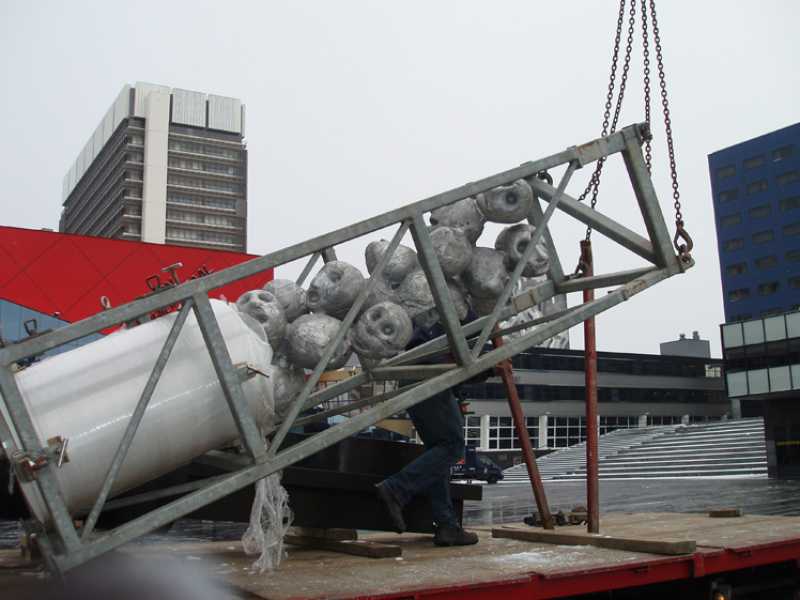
(749, 552)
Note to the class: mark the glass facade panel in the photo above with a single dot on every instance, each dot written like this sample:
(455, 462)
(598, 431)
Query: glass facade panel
(795, 370)
(775, 328)
(753, 332)
(732, 336)
(737, 384)
(779, 379)
(758, 381)
(793, 325)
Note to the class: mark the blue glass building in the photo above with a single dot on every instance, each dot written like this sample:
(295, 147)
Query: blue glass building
(756, 190)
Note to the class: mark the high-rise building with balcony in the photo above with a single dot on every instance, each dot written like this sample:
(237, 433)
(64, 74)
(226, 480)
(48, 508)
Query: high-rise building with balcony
(164, 165)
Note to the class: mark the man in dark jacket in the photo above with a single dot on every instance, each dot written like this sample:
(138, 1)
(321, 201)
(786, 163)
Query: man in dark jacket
(440, 424)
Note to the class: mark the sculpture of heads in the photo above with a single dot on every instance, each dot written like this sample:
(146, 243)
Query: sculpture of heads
(486, 276)
(452, 248)
(334, 289)
(415, 296)
(290, 296)
(403, 261)
(463, 214)
(514, 241)
(287, 383)
(309, 335)
(382, 331)
(265, 308)
(507, 203)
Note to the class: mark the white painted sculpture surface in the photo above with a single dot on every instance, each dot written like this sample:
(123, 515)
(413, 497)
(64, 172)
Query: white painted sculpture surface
(264, 307)
(514, 241)
(463, 214)
(507, 203)
(87, 395)
(452, 248)
(486, 276)
(290, 295)
(555, 304)
(334, 289)
(382, 331)
(415, 296)
(403, 261)
(287, 381)
(309, 335)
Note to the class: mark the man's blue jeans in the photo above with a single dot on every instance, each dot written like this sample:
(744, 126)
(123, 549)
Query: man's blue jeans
(440, 424)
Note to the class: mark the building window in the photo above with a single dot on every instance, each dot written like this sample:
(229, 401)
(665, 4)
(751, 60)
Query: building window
(793, 256)
(766, 262)
(734, 244)
(736, 269)
(472, 430)
(788, 177)
(759, 212)
(754, 162)
(740, 294)
(794, 282)
(725, 172)
(756, 187)
(663, 420)
(730, 220)
(763, 237)
(565, 431)
(792, 203)
(609, 424)
(767, 289)
(782, 153)
(728, 195)
(791, 229)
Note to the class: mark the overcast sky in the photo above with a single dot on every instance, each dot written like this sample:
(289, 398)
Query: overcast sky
(355, 108)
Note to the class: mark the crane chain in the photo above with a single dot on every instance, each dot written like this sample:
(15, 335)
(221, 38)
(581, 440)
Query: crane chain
(593, 186)
(682, 240)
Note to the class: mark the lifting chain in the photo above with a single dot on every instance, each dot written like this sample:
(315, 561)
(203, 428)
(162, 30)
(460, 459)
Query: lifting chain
(682, 240)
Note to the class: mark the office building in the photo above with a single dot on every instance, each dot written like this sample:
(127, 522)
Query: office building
(163, 166)
(756, 190)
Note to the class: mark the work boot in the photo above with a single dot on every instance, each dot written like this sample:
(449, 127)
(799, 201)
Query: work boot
(453, 535)
(393, 507)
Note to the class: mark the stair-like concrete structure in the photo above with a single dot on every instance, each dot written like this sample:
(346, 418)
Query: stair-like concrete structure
(719, 449)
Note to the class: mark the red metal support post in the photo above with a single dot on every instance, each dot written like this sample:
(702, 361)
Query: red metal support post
(506, 372)
(590, 358)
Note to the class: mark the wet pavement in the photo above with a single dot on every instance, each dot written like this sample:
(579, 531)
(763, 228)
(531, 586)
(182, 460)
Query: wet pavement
(509, 503)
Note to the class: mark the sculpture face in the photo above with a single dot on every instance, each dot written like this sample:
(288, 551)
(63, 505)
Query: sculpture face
(403, 261)
(507, 203)
(463, 214)
(290, 296)
(486, 276)
(382, 331)
(334, 289)
(452, 248)
(265, 308)
(514, 240)
(309, 335)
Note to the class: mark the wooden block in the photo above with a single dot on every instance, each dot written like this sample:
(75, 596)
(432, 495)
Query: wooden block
(670, 547)
(326, 534)
(724, 513)
(355, 547)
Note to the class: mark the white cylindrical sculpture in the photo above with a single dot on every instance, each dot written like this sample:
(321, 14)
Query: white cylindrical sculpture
(87, 396)
(507, 203)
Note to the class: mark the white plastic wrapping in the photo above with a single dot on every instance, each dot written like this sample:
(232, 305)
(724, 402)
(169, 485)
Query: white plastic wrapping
(87, 396)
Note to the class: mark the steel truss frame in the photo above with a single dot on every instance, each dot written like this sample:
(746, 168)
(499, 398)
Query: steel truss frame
(65, 545)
